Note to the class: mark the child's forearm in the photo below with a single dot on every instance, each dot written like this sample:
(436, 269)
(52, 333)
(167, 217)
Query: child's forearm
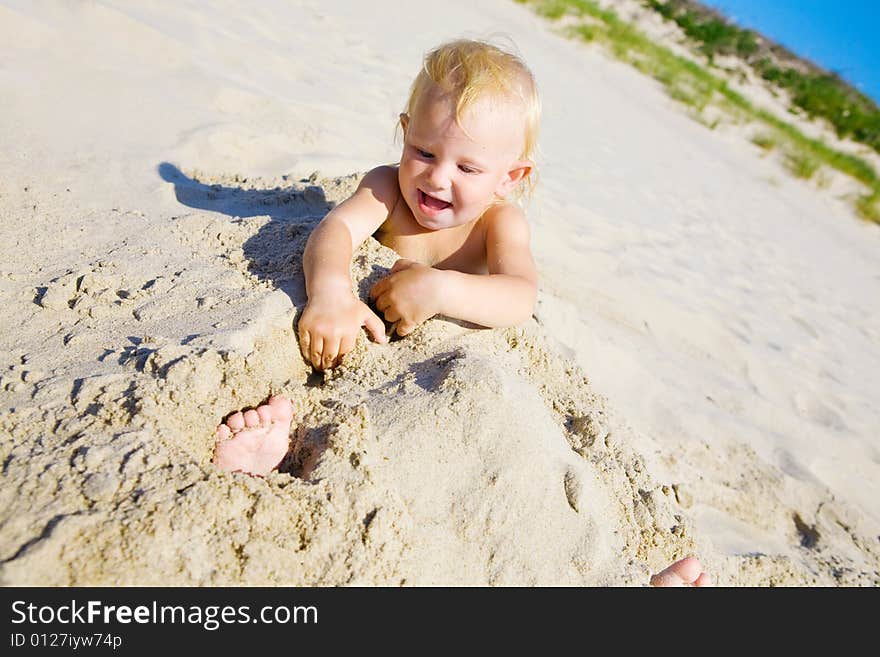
(493, 300)
(327, 260)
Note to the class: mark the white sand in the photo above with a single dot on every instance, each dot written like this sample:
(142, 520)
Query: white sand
(725, 315)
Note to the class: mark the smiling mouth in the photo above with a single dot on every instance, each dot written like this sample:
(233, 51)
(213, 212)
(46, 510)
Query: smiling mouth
(431, 205)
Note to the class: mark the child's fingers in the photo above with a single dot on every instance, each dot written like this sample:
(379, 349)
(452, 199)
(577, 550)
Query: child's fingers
(375, 327)
(305, 340)
(331, 351)
(316, 351)
(379, 288)
(382, 302)
(405, 328)
(346, 344)
(402, 264)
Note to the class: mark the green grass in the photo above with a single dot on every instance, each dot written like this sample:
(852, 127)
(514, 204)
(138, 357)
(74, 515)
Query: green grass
(819, 94)
(801, 165)
(552, 9)
(868, 206)
(715, 37)
(696, 87)
(765, 141)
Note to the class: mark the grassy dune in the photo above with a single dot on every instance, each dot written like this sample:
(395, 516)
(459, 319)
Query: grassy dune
(694, 85)
(818, 93)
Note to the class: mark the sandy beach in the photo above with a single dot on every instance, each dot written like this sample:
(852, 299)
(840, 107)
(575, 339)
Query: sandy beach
(701, 375)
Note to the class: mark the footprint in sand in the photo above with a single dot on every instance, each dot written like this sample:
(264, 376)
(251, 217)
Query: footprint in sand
(255, 441)
(574, 490)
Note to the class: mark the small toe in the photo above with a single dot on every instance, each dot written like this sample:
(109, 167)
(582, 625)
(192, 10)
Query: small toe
(235, 421)
(251, 418)
(688, 569)
(265, 413)
(282, 409)
(223, 433)
(681, 573)
(703, 580)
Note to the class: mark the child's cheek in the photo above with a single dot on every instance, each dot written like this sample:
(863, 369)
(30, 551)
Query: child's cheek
(407, 172)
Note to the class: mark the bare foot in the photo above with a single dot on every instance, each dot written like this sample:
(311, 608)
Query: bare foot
(685, 572)
(255, 442)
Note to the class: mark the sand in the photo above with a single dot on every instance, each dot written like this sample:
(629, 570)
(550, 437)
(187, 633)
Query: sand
(700, 377)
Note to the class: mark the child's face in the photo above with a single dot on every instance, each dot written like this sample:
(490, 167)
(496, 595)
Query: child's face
(450, 174)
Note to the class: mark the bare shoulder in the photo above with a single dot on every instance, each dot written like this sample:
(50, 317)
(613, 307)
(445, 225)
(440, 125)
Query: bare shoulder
(381, 183)
(373, 200)
(507, 242)
(505, 221)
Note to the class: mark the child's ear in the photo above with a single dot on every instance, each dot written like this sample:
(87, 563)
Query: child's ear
(517, 172)
(404, 122)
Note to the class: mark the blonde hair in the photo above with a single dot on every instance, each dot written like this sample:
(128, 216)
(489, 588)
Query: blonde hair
(468, 70)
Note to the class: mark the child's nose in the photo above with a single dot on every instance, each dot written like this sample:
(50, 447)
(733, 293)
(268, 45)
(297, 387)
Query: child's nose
(438, 176)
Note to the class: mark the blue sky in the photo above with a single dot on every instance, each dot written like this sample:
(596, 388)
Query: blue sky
(839, 35)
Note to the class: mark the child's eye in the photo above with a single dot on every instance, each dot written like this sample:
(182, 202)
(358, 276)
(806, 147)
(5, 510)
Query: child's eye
(466, 169)
(424, 154)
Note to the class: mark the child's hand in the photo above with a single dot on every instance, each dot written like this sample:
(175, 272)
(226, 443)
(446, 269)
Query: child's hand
(409, 295)
(328, 329)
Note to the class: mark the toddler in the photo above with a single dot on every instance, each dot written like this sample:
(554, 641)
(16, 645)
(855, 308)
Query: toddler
(469, 134)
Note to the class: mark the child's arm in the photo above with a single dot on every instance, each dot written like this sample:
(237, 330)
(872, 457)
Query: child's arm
(333, 316)
(505, 296)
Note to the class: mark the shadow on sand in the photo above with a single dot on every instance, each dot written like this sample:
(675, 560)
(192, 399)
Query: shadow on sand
(274, 252)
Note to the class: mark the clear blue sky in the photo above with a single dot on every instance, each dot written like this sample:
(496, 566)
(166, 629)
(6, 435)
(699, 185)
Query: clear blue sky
(839, 35)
